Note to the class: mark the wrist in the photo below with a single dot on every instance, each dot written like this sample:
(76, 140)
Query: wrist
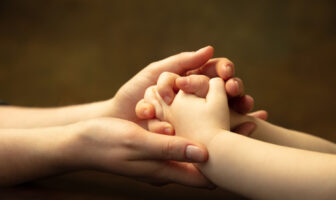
(107, 108)
(206, 136)
(71, 154)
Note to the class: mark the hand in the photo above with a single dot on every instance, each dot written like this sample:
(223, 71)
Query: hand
(122, 147)
(169, 83)
(124, 102)
(194, 117)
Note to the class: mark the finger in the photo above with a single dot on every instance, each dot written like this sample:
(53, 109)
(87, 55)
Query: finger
(261, 114)
(234, 87)
(182, 62)
(216, 94)
(152, 98)
(166, 86)
(194, 84)
(165, 147)
(161, 127)
(164, 172)
(184, 173)
(245, 129)
(221, 67)
(242, 104)
(144, 110)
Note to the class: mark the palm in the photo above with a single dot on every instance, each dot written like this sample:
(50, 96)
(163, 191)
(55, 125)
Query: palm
(131, 92)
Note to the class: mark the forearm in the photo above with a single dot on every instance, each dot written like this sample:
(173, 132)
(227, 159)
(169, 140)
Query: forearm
(266, 171)
(28, 154)
(268, 132)
(278, 135)
(21, 117)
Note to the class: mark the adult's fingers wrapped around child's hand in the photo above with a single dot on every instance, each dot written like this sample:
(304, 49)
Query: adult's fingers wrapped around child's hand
(215, 67)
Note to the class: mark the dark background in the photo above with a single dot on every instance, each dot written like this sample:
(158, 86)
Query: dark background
(62, 52)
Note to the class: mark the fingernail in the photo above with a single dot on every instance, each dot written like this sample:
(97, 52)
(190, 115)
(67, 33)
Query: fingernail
(236, 85)
(145, 112)
(167, 99)
(228, 71)
(194, 154)
(168, 131)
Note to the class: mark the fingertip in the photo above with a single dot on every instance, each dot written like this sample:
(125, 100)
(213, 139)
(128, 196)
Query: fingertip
(261, 114)
(207, 49)
(225, 70)
(196, 154)
(242, 104)
(157, 126)
(216, 91)
(234, 87)
(246, 128)
(166, 86)
(145, 110)
(182, 83)
(264, 115)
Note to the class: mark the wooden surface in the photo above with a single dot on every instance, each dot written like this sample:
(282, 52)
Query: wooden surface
(63, 52)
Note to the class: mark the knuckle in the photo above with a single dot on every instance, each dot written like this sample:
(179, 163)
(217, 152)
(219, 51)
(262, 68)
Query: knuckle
(165, 75)
(153, 64)
(203, 79)
(131, 138)
(149, 93)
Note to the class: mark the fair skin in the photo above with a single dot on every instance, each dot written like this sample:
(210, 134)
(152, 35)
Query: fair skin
(107, 135)
(265, 131)
(253, 168)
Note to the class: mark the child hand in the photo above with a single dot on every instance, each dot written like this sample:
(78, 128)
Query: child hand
(194, 117)
(170, 83)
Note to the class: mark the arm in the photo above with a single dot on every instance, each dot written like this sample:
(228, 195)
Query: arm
(105, 144)
(28, 154)
(266, 171)
(22, 117)
(123, 104)
(268, 132)
(253, 168)
(199, 85)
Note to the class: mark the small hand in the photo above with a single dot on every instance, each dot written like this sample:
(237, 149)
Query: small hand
(169, 83)
(194, 117)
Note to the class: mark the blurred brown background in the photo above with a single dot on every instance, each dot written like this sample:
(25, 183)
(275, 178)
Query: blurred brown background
(62, 52)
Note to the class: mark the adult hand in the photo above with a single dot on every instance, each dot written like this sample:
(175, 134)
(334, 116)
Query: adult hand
(124, 102)
(169, 84)
(192, 84)
(122, 147)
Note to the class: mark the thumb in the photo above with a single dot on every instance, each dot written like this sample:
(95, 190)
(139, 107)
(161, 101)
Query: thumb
(182, 62)
(165, 147)
(217, 94)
